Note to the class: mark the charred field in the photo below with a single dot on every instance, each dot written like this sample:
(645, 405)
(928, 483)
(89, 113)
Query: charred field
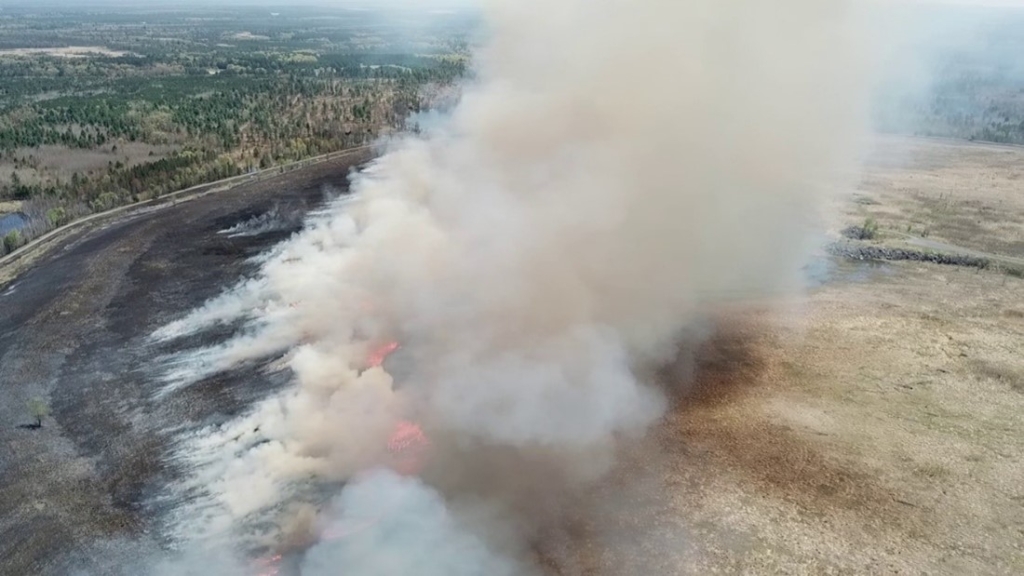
(74, 329)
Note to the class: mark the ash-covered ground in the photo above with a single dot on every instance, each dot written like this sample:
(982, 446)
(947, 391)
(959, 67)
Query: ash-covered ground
(74, 330)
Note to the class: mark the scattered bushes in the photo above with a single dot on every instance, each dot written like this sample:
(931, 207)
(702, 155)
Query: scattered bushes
(867, 231)
(39, 409)
(12, 241)
(875, 252)
(57, 217)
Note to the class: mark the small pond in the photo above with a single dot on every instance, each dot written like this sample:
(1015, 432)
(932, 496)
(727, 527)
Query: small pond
(14, 221)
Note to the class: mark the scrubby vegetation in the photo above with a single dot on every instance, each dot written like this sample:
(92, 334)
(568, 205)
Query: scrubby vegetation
(103, 107)
(39, 409)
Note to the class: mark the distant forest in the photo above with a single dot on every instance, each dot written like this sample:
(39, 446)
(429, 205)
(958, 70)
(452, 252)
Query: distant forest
(958, 74)
(104, 107)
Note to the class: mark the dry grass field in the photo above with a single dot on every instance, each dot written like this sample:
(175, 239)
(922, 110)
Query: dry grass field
(48, 162)
(879, 430)
(931, 192)
(9, 206)
(874, 427)
(67, 52)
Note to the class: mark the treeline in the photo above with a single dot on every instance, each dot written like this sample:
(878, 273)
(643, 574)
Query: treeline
(999, 122)
(89, 121)
(972, 96)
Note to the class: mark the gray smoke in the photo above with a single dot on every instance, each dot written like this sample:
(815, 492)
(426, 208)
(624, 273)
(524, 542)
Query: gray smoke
(616, 170)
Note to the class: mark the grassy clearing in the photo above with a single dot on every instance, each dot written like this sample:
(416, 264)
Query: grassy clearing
(962, 194)
(49, 163)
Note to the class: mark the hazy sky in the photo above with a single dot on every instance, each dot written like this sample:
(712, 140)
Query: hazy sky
(1015, 3)
(387, 3)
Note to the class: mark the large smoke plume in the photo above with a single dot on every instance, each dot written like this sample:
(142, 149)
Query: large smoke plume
(615, 170)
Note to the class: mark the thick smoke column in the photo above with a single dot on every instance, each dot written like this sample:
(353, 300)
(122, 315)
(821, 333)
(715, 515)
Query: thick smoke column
(616, 169)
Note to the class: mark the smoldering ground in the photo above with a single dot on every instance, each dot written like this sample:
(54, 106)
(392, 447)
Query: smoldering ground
(612, 171)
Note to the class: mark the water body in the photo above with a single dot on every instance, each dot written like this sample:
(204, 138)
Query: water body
(15, 221)
(824, 270)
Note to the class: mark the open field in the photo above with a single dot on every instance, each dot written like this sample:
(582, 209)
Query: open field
(937, 191)
(64, 52)
(879, 429)
(878, 433)
(73, 330)
(63, 162)
(875, 427)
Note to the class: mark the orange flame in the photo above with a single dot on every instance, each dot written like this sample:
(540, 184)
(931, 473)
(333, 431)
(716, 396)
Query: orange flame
(406, 443)
(270, 566)
(406, 435)
(379, 354)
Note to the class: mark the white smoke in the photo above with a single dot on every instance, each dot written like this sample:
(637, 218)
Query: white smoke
(396, 526)
(616, 170)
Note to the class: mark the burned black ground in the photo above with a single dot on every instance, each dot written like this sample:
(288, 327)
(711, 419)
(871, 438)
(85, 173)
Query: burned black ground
(75, 330)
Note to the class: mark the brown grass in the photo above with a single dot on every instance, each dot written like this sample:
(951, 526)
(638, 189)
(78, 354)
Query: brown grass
(65, 52)
(61, 162)
(881, 431)
(1004, 372)
(962, 194)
